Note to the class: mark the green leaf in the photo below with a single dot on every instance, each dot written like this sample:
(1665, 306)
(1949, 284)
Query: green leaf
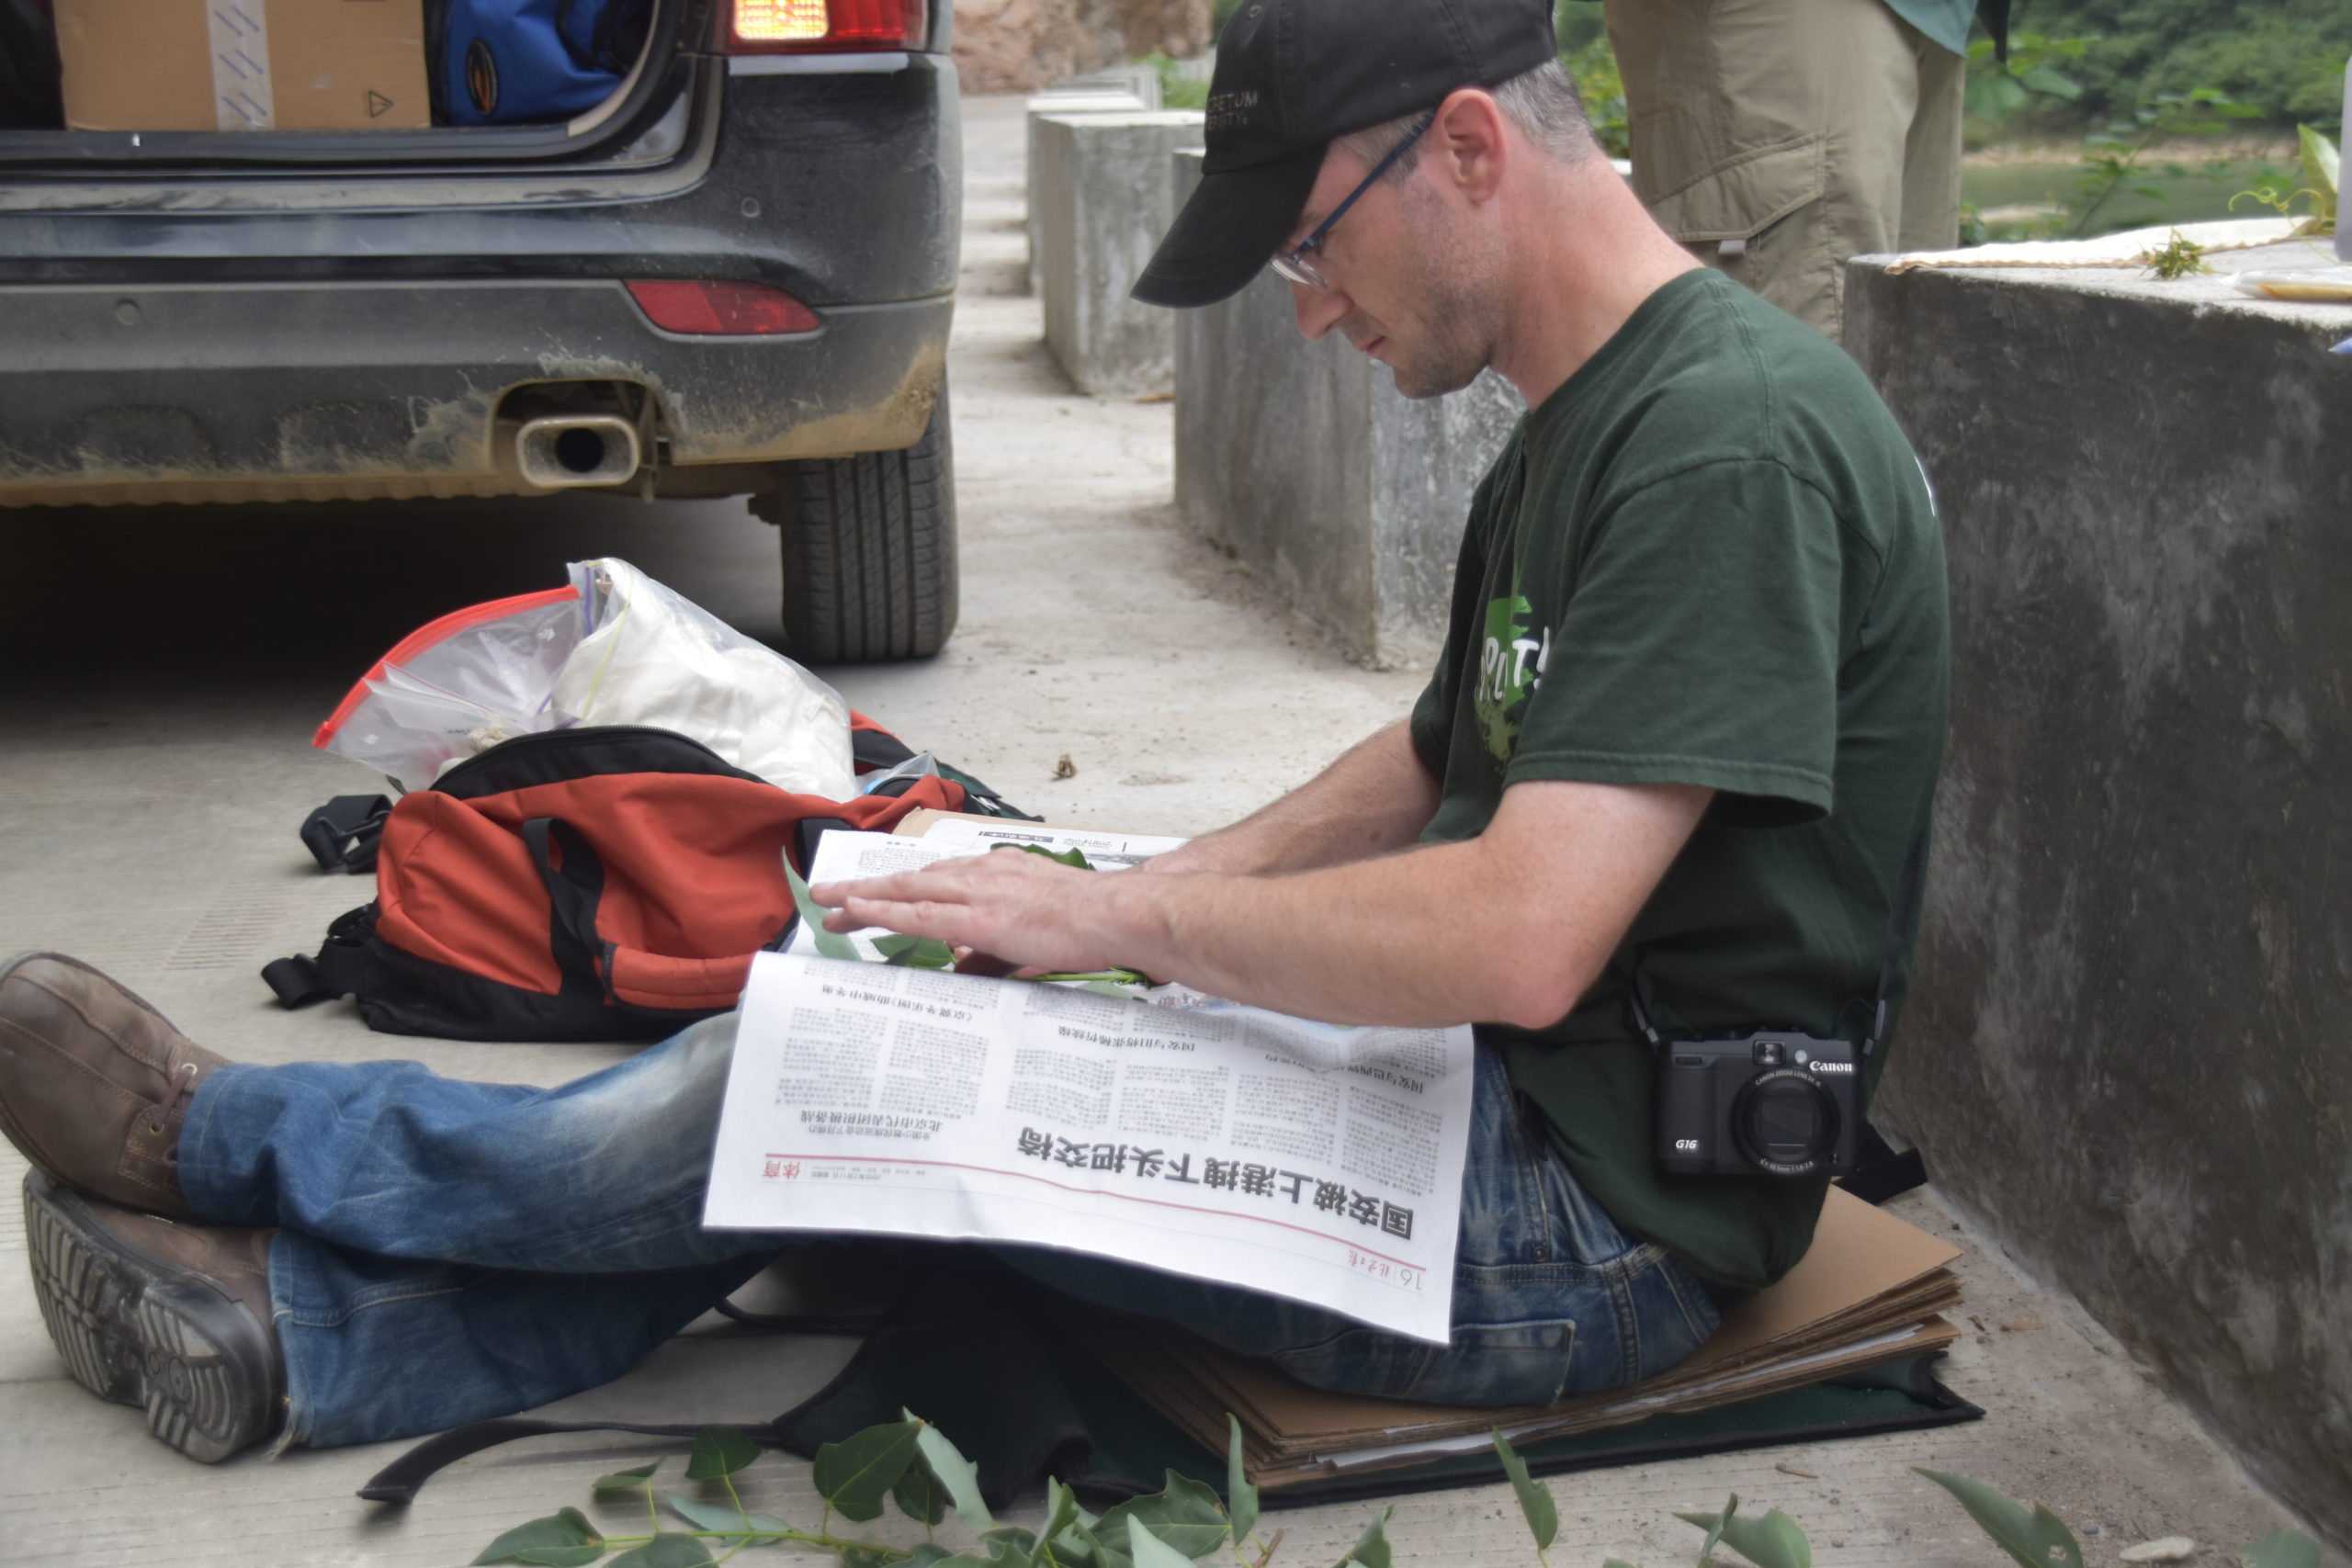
(559, 1556)
(855, 1474)
(956, 1472)
(1614, 1562)
(928, 1553)
(722, 1517)
(1099, 1553)
(665, 1550)
(868, 1557)
(1535, 1498)
(2036, 1540)
(2322, 166)
(914, 952)
(1712, 1524)
(2287, 1549)
(1184, 1515)
(919, 1495)
(719, 1451)
(626, 1480)
(1070, 857)
(831, 944)
(1371, 1548)
(1241, 1498)
(568, 1530)
(1150, 1551)
(1061, 1510)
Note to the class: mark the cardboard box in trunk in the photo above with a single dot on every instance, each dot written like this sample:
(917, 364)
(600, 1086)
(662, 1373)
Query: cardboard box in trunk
(244, 64)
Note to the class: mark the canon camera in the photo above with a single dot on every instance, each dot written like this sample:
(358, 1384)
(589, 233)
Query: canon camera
(1775, 1104)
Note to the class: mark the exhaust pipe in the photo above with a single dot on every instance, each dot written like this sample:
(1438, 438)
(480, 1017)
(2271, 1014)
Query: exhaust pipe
(565, 451)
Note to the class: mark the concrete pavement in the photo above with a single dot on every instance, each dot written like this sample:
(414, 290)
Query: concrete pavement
(167, 666)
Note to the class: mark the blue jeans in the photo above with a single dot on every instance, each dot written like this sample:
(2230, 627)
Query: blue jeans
(526, 1244)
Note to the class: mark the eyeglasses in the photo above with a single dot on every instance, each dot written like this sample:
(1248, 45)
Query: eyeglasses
(1293, 264)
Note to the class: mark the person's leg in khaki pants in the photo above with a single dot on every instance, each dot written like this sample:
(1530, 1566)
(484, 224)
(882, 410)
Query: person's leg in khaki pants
(1777, 138)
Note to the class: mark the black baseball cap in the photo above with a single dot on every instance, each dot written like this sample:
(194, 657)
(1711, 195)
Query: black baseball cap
(1294, 75)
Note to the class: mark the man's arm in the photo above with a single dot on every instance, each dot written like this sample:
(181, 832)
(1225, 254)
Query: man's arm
(1510, 927)
(1377, 798)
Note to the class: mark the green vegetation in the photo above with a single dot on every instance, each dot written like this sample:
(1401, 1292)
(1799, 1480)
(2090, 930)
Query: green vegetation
(2284, 58)
(909, 1465)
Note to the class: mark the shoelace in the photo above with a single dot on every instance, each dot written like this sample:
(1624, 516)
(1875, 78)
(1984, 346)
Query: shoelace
(170, 1102)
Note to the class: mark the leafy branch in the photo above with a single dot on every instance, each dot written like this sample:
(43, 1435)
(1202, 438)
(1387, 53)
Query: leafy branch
(909, 1465)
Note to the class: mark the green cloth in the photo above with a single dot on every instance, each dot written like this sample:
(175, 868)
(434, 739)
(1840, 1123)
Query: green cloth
(1945, 21)
(1709, 558)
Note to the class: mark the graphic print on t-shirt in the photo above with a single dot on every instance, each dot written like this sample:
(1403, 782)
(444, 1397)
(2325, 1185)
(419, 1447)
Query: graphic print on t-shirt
(1511, 666)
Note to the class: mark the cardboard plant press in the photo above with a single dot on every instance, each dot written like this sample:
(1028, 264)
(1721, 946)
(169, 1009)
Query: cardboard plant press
(1867, 1295)
(244, 64)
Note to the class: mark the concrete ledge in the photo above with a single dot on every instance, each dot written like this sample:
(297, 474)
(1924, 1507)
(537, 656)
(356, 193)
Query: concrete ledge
(1104, 199)
(1305, 460)
(2129, 1046)
(1068, 101)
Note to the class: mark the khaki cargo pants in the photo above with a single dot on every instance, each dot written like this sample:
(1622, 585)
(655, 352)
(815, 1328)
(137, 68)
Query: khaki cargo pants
(1777, 138)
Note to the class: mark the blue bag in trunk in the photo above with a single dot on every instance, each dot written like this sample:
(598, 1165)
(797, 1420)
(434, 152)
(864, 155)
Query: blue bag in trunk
(508, 61)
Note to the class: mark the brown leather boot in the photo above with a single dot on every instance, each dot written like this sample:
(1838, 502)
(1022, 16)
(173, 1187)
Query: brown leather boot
(172, 1317)
(94, 1083)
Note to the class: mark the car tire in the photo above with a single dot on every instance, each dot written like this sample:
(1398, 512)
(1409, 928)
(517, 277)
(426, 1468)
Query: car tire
(869, 549)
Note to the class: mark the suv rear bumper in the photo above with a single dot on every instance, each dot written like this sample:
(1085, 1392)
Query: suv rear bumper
(351, 390)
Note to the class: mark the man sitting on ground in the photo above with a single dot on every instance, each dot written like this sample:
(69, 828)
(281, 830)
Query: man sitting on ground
(1684, 732)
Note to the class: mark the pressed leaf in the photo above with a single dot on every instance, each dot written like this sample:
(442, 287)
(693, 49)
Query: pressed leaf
(855, 1474)
(1150, 1551)
(956, 1472)
(1241, 1498)
(1534, 1498)
(665, 1550)
(914, 952)
(1185, 1515)
(719, 1451)
(1072, 857)
(2039, 1540)
(919, 1495)
(831, 944)
(2287, 1549)
(1371, 1548)
(626, 1480)
(567, 1528)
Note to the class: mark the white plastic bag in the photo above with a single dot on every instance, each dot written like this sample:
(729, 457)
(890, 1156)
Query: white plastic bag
(652, 657)
(614, 648)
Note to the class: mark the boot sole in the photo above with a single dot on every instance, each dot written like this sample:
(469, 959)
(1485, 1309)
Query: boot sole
(133, 1331)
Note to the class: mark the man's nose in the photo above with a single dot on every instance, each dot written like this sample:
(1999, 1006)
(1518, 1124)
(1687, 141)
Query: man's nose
(1318, 309)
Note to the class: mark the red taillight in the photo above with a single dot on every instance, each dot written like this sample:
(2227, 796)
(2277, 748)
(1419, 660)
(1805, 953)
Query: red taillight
(764, 27)
(733, 310)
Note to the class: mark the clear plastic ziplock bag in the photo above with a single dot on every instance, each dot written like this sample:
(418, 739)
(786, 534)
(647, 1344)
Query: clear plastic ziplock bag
(458, 686)
(615, 647)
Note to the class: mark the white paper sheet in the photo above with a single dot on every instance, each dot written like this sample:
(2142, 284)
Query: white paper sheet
(1177, 1131)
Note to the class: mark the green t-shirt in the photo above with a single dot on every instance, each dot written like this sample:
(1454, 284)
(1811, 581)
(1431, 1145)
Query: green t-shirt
(1709, 558)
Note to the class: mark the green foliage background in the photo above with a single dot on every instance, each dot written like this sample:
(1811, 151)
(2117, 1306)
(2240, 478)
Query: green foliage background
(2284, 57)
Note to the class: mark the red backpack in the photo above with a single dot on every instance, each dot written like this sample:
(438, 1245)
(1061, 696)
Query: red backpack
(599, 883)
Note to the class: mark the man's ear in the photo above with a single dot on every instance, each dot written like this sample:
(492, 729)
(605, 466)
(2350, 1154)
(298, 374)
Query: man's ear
(1467, 138)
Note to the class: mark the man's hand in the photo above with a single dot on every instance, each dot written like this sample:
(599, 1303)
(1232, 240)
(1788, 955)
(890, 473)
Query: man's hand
(1023, 908)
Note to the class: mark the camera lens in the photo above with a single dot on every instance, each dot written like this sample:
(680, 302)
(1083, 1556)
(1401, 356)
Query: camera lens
(1784, 1123)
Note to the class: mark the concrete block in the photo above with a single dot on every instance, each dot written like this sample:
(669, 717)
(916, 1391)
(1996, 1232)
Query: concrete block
(1303, 458)
(1104, 198)
(1078, 100)
(2128, 1044)
(1141, 82)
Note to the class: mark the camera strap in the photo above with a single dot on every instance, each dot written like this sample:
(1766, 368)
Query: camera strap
(1903, 920)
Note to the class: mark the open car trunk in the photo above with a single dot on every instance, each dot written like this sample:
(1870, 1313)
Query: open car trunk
(642, 115)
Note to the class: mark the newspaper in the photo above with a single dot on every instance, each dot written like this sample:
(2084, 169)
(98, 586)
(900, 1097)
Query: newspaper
(1171, 1129)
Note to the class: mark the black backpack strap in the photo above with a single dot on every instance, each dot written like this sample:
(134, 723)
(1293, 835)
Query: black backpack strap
(804, 834)
(1879, 1172)
(345, 966)
(399, 1481)
(574, 890)
(343, 834)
